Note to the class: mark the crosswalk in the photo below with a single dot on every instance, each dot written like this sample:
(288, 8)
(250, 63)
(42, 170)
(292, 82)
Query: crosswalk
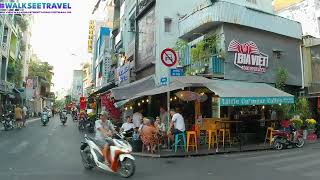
(304, 162)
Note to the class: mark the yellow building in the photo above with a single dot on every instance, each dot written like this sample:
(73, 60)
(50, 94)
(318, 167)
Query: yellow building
(281, 4)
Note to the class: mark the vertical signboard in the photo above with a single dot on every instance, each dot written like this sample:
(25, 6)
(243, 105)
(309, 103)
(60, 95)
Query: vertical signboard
(90, 36)
(106, 68)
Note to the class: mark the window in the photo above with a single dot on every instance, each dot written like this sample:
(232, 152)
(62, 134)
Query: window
(252, 1)
(167, 24)
(5, 34)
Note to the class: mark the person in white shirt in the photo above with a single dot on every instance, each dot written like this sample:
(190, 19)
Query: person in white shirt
(104, 132)
(127, 126)
(177, 124)
(136, 118)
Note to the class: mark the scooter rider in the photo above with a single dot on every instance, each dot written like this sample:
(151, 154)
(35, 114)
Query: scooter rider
(104, 132)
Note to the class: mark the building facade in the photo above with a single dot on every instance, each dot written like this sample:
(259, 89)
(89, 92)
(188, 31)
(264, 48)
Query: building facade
(306, 12)
(77, 86)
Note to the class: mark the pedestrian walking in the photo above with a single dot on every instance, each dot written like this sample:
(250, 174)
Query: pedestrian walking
(25, 116)
(18, 115)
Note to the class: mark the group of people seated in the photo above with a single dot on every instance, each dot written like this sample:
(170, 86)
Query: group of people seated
(154, 133)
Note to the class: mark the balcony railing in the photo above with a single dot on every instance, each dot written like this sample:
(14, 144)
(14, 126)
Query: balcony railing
(217, 65)
(314, 88)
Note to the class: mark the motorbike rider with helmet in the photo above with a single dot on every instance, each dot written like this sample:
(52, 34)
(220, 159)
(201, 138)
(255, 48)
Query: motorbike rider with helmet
(104, 132)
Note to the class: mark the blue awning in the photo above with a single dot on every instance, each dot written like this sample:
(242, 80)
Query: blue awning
(238, 93)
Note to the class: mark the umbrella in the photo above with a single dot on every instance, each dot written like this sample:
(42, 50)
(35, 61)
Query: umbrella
(187, 95)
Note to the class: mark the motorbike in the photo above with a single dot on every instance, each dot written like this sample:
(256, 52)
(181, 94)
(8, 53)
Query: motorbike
(75, 116)
(7, 122)
(283, 139)
(82, 124)
(44, 118)
(122, 162)
(63, 118)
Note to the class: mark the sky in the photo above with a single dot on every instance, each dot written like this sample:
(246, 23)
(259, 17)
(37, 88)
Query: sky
(55, 37)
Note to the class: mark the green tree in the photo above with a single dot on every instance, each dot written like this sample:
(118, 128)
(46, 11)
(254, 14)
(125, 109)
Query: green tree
(285, 111)
(302, 108)
(281, 78)
(42, 69)
(14, 72)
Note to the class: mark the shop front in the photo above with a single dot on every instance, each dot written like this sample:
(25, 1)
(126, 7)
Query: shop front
(242, 109)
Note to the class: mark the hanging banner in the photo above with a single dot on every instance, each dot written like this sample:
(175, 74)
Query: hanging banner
(83, 103)
(107, 104)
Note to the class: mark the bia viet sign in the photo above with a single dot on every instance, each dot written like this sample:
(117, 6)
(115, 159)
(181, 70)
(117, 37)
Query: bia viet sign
(248, 57)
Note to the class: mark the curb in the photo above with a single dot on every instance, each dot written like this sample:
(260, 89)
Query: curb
(138, 154)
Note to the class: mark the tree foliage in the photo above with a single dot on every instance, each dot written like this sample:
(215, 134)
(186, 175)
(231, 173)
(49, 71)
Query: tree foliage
(302, 108)
(285, 111)
(281, 78)
(41, 69)
(14, 72)
(204, 49)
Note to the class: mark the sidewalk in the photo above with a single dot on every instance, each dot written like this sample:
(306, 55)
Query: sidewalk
(203, 151)
(30, 120)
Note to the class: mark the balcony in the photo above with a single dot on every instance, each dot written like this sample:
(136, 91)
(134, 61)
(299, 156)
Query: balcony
(314, 88)
(213, 68)
(207, 16)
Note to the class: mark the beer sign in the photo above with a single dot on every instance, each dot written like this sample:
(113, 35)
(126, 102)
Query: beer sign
(248, 57)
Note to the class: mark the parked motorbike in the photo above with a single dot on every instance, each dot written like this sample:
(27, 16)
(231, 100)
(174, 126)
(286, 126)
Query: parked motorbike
(44, 118)
(284, 139)
(122, 162)
(7, 121)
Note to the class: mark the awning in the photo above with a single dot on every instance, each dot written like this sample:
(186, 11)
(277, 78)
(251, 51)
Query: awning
(238, 93)
(176, 83)
(130, 90)
(231, 93)
(103, 89)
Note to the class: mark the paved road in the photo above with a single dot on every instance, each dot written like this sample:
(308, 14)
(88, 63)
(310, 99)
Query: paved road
(52, 152)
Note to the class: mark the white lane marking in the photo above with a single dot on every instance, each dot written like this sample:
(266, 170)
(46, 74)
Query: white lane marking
(269, 155)
(289, 159)
(33, 120)
(19, 147)
(299, 165)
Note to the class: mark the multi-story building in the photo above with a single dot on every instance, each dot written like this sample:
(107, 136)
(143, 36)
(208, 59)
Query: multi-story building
(87, 80)
(306, 12)
(77, 86)
(14, 39)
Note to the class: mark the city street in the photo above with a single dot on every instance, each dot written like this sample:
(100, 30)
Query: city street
(52, 152)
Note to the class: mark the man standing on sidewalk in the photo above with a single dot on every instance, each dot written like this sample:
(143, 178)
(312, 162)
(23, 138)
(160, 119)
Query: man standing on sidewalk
(25, 110)
(18, 116)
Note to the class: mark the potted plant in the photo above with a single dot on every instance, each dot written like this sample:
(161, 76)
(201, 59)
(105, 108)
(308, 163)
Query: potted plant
(296, 123)
(311, 124)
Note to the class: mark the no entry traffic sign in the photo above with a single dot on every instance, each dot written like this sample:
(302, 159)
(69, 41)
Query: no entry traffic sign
(168, 57)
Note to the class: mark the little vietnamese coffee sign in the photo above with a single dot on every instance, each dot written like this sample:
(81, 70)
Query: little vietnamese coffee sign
(248, 57)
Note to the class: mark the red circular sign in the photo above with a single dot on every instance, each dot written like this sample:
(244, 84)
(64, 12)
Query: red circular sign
(168, 57)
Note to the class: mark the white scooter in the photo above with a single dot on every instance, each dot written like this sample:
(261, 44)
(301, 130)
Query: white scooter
(122, 162)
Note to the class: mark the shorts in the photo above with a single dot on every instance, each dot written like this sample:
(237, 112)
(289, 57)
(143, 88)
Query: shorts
(102, 143)
(176, 131)
(19, 120)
